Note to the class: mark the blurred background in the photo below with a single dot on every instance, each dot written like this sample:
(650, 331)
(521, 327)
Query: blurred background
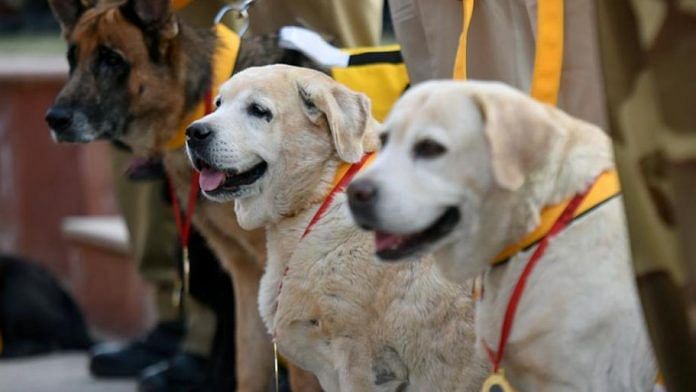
(57, 205)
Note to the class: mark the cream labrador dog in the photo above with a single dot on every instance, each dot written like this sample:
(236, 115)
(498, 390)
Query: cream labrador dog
(333, 309)
(466, 170)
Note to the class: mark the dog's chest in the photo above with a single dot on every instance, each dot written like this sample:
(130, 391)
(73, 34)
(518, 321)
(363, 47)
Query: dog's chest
(327, 281)
(577, 288)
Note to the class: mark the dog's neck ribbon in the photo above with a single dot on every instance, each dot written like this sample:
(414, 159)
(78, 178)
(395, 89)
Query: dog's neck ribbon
(183, 218)
(604, 188)
(344, 174)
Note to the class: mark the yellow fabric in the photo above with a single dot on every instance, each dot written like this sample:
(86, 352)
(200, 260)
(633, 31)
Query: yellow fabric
(606, 186)
(460, 59)
(383, 83)
(548, 61)
(659, 379)
(224, 59)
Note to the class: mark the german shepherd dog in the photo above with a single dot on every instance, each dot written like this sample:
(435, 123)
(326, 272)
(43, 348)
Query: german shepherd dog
(135, 73)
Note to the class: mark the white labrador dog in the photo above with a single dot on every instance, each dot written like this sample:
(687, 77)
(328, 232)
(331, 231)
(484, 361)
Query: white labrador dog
(273, 147)
(466, 170)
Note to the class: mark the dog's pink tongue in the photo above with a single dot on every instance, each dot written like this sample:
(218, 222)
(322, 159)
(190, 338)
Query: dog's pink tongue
(385, 241)
(210, 179)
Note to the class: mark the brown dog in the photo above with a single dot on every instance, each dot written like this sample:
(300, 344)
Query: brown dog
(136, 73)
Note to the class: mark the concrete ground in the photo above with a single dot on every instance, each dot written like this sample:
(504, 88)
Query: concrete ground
(55, 373)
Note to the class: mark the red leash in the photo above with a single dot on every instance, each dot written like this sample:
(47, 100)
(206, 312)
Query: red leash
(183, 218)
(340, 187)
(562, 221)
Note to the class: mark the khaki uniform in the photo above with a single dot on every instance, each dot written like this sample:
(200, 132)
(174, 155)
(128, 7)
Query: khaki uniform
(501, 46)
(649, 59)
(350, 22)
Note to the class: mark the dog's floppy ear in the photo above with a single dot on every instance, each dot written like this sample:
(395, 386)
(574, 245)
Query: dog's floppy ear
(67, 12)
(154, 16)
(347, 114)
(520, 132)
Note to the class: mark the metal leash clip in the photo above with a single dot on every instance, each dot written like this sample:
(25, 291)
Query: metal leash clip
(241, 11)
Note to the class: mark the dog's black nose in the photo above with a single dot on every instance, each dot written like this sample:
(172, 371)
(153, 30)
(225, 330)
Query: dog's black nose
(362, 192)
(197, 132)
(362, 195)
(59, 119)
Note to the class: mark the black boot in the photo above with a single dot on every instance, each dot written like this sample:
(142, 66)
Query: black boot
(184, 372)
(115, 360)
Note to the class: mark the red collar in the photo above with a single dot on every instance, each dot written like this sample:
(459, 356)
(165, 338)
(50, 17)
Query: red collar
(562, 222)
(343, 177)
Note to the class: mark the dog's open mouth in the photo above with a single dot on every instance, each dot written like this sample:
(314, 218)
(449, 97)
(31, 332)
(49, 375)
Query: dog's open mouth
(213, 180)
(394, 247)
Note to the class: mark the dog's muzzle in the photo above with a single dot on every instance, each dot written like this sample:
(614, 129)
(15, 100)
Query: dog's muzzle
(59, 119)
(69, 125)
(362, 197)
(198, 135)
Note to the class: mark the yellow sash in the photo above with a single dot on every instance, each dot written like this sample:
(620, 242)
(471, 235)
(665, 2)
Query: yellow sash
(224, 59)
(605, 187)
(548, 60)
(382, 82)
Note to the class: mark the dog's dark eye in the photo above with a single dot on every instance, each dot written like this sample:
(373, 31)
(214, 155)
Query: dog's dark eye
(109, 57)
(218, 102)
(256, 110)
(428, 148)
(383, 138)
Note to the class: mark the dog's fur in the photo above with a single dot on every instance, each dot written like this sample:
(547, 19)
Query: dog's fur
(501, 158)
(135, 71)
(357, 325)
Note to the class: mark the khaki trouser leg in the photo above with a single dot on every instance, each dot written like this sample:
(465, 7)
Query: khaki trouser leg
(428, 34)
(150, 223)
(501, 47)
(648, 55)
(350, 23)
(153, 241)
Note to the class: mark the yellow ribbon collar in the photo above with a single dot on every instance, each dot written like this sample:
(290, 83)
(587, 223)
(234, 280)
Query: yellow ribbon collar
(223, 61)
(344, 167)
(604, 188)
